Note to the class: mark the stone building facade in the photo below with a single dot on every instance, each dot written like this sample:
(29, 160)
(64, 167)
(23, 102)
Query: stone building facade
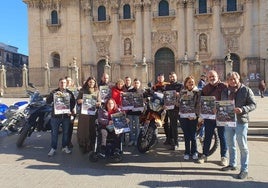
(141, 38)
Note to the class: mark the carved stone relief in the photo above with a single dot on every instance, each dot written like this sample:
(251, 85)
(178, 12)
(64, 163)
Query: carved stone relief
(102, 44)
(127, 47)
(164, 39)
(203, 43)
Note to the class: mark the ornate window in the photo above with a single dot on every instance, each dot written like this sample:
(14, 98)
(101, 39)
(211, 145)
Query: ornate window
(101, 13)
(126, 12)
(56, 60)
(231, 5)
(54, 17)
(163, 8)
(202, 6)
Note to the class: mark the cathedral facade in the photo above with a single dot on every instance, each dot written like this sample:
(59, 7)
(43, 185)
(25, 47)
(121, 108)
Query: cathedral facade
(142, 38)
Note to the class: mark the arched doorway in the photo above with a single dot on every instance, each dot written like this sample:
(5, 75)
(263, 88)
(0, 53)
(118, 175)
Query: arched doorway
(100, 69)
(164, 62)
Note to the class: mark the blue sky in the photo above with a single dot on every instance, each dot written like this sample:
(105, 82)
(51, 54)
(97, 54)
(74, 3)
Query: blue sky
(14, 24)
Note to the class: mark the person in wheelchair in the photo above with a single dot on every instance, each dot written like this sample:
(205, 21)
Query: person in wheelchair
(106, 125)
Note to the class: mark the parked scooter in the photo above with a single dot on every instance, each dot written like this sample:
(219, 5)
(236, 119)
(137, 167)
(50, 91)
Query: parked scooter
(37, 116)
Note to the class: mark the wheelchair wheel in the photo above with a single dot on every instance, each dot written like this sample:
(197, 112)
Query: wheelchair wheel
(93, 156)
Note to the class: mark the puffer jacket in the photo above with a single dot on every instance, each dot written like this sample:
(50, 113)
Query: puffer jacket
(244, 99)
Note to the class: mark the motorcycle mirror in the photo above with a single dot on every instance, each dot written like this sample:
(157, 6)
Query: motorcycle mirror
(31, 85)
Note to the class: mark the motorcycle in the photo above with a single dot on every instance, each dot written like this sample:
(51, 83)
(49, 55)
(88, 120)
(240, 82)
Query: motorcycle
(152, 117)
(36, 116)
(11, 116)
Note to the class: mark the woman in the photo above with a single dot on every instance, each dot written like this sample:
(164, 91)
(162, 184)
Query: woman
(105, 122)
(86, 123)
(116, 92)
(189, 124)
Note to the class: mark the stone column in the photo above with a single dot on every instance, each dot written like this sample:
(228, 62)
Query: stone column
(197, 67)
(181, 29)
(138, 32)
(228, 64)
(185, 67)
(147, 31)
(3, 83)
(24, 76)
(216, 31)
(190, 36)
(248, 31)
(115, 49)
(47, 76)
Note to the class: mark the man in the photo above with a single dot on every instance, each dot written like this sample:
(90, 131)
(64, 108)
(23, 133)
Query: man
(60, 119)
(127, 85)
(160, 86)
(244, 103)
(104, 80)
(213, 88)
(173, 113)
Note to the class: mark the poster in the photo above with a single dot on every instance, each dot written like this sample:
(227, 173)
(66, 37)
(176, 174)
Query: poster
(170, 99)
(127, 100)
(187, 107)
(138, 102)
(225, 115)
(207, 107)
(105, 93)
(61, 103)
(120, 123)
(89, 104)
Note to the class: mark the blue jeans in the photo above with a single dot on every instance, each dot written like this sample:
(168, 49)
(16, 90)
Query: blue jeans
(134, 124)
(239, 134)
(210, 125)
(189, 132)
(55, 123)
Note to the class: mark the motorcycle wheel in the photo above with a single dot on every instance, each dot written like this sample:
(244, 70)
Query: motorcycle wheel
(146, 140)
(23, 134)
(200, 142)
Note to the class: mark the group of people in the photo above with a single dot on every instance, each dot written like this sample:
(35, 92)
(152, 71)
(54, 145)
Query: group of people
(209, 85)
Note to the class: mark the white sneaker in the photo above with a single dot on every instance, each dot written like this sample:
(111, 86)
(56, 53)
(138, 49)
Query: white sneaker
(66, 150)
(186, 157)
(224, 161)
(195, 156)
(51, 152)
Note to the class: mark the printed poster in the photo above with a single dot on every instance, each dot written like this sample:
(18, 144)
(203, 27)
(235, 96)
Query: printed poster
(208, 107)
(225, 115)
(120, 123)
(187, 107)
(127, 100)
(138, 102)
(61, 103)
(105, 93)
(89, 104)
(170, 99)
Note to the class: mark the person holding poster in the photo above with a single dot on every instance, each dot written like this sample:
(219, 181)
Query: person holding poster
(189, 124)
(86, 122)
(213, 88)
(244, 103)
(63, 102)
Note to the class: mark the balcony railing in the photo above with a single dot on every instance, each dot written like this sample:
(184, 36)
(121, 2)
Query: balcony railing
(53, 24)
(96, 19)
(239, 9)
(121, 17)
(203, 12)
(171, 13)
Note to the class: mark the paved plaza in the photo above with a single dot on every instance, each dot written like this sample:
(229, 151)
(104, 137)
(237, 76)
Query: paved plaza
(30, 166)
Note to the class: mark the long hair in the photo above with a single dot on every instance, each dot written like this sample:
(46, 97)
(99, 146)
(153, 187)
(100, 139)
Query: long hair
(85, 85)
(187, 79)
(115, 105)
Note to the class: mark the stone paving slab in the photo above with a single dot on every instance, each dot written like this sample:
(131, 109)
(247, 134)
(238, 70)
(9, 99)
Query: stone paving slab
(30, 166)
